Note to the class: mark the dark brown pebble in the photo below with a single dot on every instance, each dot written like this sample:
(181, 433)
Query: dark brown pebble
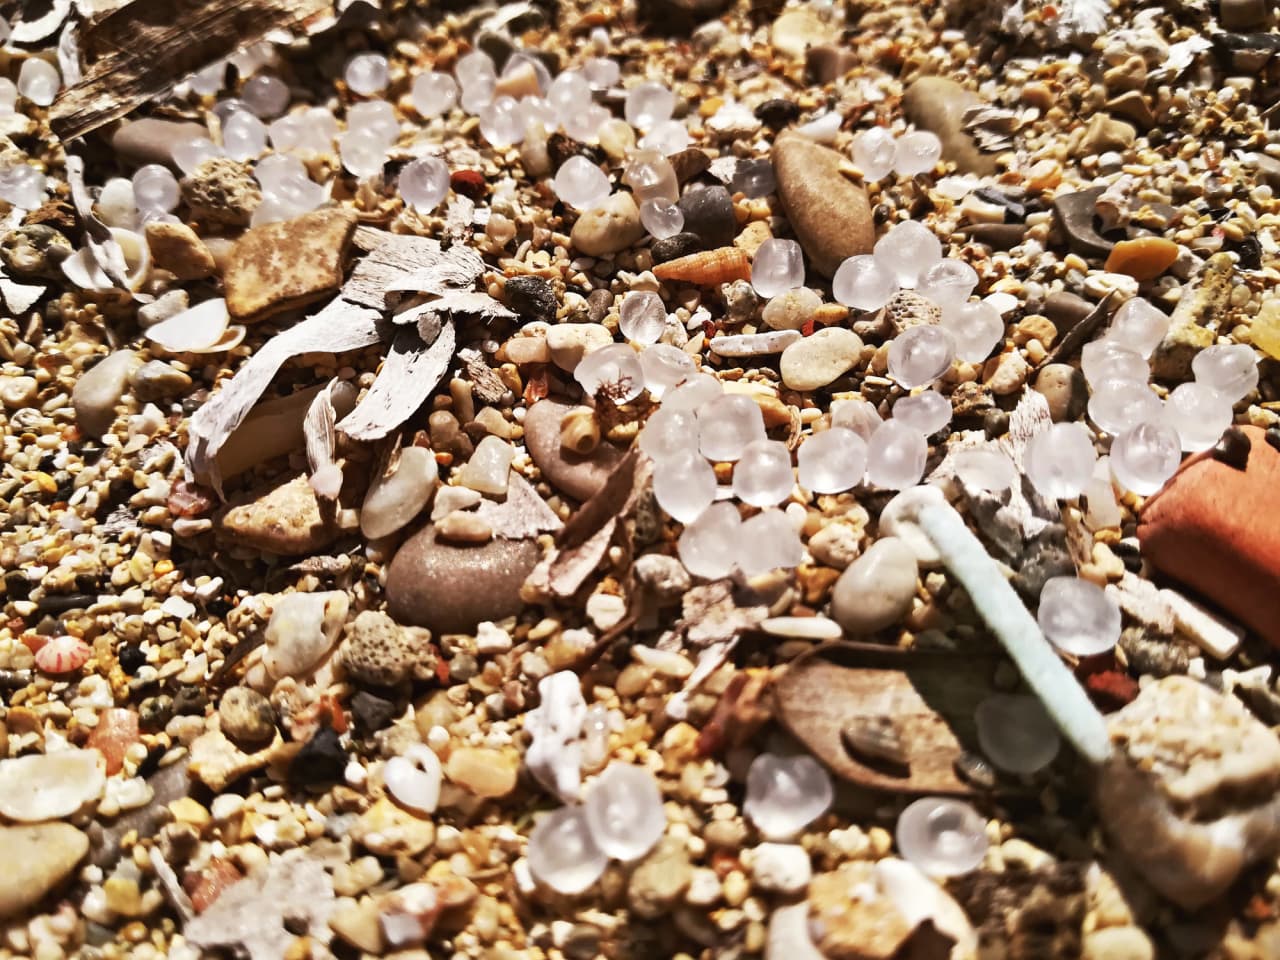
(1233, 448)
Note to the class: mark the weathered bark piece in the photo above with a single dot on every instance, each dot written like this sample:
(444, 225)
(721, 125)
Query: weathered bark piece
(140, 50)
(408, 375)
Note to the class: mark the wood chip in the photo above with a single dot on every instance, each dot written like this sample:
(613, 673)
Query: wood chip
(141, 50)
(485, 382)
(931, 697)
(395, 264)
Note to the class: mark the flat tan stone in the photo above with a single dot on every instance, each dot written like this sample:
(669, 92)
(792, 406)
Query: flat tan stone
(830, 215)
(287, 518)
(280, 266)
(37, 858)
(177, 248)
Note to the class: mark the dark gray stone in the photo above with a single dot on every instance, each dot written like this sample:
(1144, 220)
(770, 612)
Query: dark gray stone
(708, 213)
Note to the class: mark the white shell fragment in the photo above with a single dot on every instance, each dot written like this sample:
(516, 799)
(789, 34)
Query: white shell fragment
(193, 330)
(414, 778)
(303, 628)
(50, 786)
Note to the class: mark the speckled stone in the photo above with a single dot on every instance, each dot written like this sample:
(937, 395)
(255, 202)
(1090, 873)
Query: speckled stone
(177, 248)
(287, 519)
(580, 476)
(450, 589)
(222, 192)
(608, 227)
(246, 716)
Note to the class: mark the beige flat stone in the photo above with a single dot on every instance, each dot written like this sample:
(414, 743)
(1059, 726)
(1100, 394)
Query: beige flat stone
(37, 858)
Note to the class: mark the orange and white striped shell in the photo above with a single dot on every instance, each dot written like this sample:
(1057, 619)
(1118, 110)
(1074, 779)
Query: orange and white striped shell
(708, 268)
(62, 655)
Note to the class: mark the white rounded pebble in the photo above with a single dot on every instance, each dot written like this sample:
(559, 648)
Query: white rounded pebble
(684, 484)
(777, 267)
(433, 94)
(664, 366)
(1145, 456)
(986, 469)
(1016, 733)
(920, 355)
(661, 218)
(1059, 460)
(832, 461)
(1117, 405)
(1078, 617)
(711, 545)
(624, 811)
(1231, 369)
(1198, 413)
(975, 327)
(414, 778)
(1138, 325)
(50, 786)
(39, 81)
(898, 519)
(917, 152)
(648, 104)
(580, 183)
(786, 793)
(896, 456)
(614, 369)
(562, 854)
(642, 317)
(942, 837)
(907, 250)
(727, 424)
(875, 152)
(367, 74)
(863, 283)
(781, 867)
(424, 183)
(927, 411)
(762, 476)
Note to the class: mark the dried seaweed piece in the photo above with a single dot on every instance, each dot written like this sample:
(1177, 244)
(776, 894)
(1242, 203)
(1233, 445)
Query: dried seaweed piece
(929, 697)
(408, 375)
(139, 51)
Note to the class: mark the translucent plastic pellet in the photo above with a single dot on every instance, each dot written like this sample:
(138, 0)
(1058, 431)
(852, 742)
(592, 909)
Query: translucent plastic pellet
(1145, 456)
(521, 61)
(189, 154)
(1059, 460)
(580, 183)
(367, 74)
(832, 461)
(664, 366)
(473, 66)
(562, 854)
(642, 317)
(569, 93)
(210, 80)
(433, 94)
(424, 183)
(252, 57)
(1198, 413)
(244, 136)
(771, 542)
(648, 104)
(23, 186)
(986, 468)
(727, 424)
(537, 110)
(1103, 360)
(224, 110)
(39, 81)
(266, 95)
(376, 116)
(1231, 369)
(624, 811)
(786, 793)
(907, 250)
(863, 283)
(920, 355)
(711, 545)
(941, 836)
(976, 328)
(614, 369)
(8, 96)
(155, 188)
(1138, 325)
(762, 476)
(695, 393)
(501, 123)
(857, 415)
(474, 95)
(1016, 733)
(755, 178)
(684, 484)
(601, 72)
(778, 266)
(668, 431)
(875, 152)
(293, 132)
(1078, 617)
(667, 137)
(896, 456)
(947, 282)
(363, 152)
(1116, 405)
(651, 177)
(586, 125)
(661, 218)
(917, 152)
(926, 412)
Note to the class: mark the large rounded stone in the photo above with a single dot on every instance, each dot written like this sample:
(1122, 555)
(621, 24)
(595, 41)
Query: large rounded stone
(938, 105)
(830, 215)
(708, 215)
(877, 589)
(579, 475)
(37, 859)
(450, 589)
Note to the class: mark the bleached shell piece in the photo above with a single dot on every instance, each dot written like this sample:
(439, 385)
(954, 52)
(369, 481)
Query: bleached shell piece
(137, 256)
(50, 786)
(194, 330)
(414, 778)
(303, 629)
(82, 270)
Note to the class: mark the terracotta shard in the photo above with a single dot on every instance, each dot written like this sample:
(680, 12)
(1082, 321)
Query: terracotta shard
(1211, 529)
(843, 697)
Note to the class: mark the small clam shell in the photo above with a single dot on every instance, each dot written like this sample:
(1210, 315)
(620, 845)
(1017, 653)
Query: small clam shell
(62, 655)
(192, 330)
(708, 268)
(82, 269)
